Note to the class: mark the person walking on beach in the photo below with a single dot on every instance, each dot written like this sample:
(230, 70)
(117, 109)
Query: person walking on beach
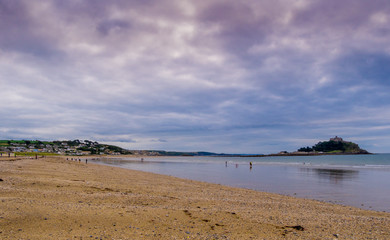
(250, 165)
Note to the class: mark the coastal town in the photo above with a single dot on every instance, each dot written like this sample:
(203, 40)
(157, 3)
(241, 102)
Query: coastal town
(65, 147)
(80, 148)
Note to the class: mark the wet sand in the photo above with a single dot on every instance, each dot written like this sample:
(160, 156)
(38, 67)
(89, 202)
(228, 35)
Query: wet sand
(52, 198)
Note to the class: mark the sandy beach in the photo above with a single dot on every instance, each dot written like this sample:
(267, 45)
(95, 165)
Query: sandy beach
(53, 198)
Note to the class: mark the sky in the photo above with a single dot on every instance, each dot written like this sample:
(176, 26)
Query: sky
(224, 76)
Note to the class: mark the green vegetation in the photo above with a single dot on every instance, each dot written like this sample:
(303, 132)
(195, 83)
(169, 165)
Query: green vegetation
(26, 142)
(36, 153)
(305, 149)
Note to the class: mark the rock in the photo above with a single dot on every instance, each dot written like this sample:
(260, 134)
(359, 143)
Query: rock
(297, 227)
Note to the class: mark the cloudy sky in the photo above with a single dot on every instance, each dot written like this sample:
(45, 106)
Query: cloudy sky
(214, 75)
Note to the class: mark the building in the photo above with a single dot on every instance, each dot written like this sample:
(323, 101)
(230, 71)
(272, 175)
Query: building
(336, 139)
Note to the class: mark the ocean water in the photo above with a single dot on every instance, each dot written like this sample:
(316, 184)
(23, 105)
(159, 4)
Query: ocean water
(354, 180)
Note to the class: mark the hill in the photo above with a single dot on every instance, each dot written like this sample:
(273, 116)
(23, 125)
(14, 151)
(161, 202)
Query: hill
(83, 147)
(64, 147)
(334, 145)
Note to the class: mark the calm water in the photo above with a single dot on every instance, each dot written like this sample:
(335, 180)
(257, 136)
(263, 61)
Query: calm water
(355, 180)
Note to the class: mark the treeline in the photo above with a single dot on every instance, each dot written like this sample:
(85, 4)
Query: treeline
(27, 142)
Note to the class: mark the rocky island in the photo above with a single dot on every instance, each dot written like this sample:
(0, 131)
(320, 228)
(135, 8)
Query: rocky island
(335, 145)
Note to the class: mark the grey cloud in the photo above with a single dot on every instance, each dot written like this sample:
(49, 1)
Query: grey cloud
(18, 29)
(115, 139)
(159, 140)
(106, 26)
(335, 14)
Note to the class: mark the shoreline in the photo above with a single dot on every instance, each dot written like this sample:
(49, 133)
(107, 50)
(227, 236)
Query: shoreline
(54, 198)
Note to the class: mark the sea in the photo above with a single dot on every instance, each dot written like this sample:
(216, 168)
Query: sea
(361, 181)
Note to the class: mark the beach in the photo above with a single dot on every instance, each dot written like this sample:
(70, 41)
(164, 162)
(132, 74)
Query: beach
(55, 198)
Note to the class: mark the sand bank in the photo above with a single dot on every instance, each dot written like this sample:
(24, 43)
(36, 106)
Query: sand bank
(52, 198)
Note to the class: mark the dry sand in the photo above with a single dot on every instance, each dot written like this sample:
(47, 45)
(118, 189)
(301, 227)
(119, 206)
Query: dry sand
(52, 198)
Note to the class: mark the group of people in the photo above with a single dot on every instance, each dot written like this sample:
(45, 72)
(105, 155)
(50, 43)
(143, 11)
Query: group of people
(250, 164)
(8, 154)
(77, 159)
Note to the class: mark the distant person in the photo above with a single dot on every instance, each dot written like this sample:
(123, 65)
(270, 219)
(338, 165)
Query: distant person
(86, 161)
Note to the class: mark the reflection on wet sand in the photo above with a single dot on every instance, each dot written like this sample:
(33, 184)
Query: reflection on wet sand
(334, 175)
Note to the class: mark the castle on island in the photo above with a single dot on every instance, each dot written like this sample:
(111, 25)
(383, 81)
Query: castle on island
(336, 139)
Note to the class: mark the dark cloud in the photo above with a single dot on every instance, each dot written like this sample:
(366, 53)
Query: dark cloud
(239, 27)
(105, 27)
(365, 67)
(335, 15)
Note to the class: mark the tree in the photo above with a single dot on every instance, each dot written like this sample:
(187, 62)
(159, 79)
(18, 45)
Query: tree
(305, 149)
(329, 146)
